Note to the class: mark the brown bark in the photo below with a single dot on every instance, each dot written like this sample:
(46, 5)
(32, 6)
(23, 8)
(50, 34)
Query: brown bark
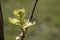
(1, 25)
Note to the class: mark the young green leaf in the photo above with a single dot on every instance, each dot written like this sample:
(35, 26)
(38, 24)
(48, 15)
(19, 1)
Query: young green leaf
(19, 13)
(13, 21)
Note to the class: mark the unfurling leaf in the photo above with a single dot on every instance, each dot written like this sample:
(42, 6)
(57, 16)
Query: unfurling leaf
(16, 13)
(13, 21)
(19, 13)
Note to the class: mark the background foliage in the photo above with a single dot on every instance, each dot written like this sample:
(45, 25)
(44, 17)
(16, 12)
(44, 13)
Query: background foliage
(47, 16)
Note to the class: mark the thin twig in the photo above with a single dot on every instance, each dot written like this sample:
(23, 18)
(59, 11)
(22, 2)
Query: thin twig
(22, 34)
(33, 11)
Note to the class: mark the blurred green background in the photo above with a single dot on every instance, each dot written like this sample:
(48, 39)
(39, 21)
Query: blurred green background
(47, 16)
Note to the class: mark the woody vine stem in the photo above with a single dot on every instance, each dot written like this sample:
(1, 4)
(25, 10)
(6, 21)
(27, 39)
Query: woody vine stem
(24, 30)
